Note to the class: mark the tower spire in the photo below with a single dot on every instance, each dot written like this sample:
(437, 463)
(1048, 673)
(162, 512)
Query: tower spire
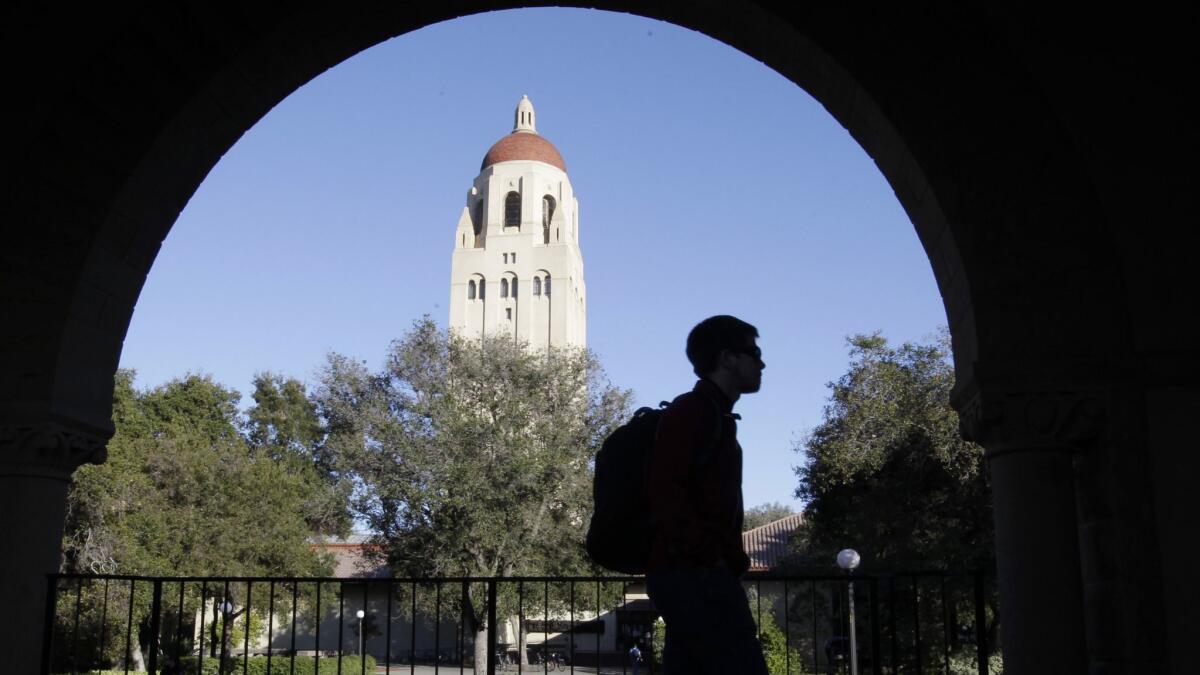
(523, 119)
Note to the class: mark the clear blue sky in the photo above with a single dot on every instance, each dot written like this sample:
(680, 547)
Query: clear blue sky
(708, 184)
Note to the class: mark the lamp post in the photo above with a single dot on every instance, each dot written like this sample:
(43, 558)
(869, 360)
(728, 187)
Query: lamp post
(226, 608)
(848, 559)
(360, 614)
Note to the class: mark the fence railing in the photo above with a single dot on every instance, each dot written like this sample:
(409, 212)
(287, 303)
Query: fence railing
(905, 622)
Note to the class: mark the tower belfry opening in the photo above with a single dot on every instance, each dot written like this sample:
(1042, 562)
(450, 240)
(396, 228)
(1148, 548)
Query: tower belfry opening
(522, 183)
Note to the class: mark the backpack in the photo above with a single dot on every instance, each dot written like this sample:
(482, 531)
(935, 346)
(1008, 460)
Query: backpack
(620, 533)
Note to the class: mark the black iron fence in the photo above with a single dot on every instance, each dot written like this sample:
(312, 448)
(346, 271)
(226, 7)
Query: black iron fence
(910, 622)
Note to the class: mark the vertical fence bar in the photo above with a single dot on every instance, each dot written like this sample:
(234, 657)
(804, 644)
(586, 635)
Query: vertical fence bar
(224, 613)
(203, 613)
(129, 628)
(104, 619)
(945, 629)
(48, 618)
(362, 634)
(226, 637)
(981, 654)
(317, 643)
(155, 624)
(295, 607)
(491, 627)
(179, 629)
(812, 597)
(876, 636)
(546, 629)
(892, 621)
(412, 639)
(246, 639)
(437, 629)
(571, 635)
(787, 631)
(598, 613)
(387, 638)
(270, 623)
(462, 630)
(521, 650)
(758, 608)
(917, 621)
(75, 626)
(341, 622)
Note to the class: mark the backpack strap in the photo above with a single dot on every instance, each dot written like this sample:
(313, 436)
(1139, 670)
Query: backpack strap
(705, 453)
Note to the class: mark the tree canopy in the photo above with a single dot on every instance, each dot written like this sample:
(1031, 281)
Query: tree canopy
(184, 492)
(886, 471)
(471, 457)
(757, 516)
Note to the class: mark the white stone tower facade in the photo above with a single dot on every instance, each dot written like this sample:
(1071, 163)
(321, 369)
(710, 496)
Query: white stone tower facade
(517, 268)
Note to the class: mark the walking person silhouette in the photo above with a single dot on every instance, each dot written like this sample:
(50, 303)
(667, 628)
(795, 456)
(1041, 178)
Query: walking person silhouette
(695, 484)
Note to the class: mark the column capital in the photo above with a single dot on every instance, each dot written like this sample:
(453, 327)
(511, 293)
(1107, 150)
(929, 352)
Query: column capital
(1005, 420)
(48, 450)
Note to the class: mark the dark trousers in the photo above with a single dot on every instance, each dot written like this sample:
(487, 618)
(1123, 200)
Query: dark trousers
(709, 627)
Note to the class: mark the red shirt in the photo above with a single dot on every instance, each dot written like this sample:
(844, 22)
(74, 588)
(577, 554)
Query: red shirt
(696, 484)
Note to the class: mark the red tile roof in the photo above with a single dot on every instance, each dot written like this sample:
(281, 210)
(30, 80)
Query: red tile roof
(350, 557)
(523, 146)
(768, 544)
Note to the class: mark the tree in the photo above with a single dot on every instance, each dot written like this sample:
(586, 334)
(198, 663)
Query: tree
(762, 514)
(471, 457)
(283, 423)
(183, 493)
(887, 472)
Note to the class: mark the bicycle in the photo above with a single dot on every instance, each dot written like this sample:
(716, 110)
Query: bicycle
(555, 661)
(504, 661)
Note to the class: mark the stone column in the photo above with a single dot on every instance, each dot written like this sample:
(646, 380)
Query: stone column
(1031, 441)
(36, 463)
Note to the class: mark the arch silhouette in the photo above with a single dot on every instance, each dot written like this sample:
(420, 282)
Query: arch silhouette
(1047, 222)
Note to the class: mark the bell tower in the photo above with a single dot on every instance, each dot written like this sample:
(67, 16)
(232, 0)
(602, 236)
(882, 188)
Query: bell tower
(517, 268)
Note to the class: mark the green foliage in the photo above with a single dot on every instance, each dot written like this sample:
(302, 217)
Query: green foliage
(182, 492)
(886, 471)
(284, 424)
(658, 640)
(775, 648)
(472, 458)
(185, 493)
(760, 515)
(776, 651)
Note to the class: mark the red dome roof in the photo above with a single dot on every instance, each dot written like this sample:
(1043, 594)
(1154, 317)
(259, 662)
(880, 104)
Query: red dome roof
(523, 146)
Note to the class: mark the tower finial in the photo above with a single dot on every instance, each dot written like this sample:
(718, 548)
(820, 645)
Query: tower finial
(523, 120)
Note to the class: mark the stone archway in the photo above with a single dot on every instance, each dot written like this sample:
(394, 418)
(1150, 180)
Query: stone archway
(1069, 373)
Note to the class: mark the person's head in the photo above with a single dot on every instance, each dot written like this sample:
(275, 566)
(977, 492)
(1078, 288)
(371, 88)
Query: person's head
(722, 348)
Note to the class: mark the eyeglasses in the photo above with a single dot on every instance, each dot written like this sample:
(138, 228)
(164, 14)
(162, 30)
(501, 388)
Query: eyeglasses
(753, 352)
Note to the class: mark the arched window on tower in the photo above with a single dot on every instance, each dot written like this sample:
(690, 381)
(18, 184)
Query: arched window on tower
(547, 215)
(514, 288)
(547, 285)
(471, 289)
(482, 289)
(478, 224)
(537, 286)
(512, 210)
(504, 288)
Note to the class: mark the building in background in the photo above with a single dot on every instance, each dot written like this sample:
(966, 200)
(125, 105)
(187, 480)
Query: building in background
(517, 268)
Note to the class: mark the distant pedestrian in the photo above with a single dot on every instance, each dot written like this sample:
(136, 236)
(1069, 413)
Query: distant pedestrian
(635, 658)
